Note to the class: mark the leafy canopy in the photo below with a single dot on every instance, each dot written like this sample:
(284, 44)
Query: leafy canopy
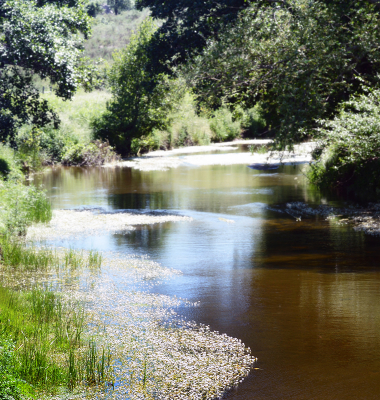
(300, 59)
(43, 38)
(186, 27)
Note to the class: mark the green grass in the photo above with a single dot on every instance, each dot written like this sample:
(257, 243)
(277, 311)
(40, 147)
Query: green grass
(15, 254)
(42, 344)
(75, 115)
(73, 259)
(94, 259)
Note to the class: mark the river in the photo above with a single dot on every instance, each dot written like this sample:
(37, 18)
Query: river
(304, 295)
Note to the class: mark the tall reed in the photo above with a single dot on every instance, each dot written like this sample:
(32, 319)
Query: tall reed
(14, 253)
(47, 335)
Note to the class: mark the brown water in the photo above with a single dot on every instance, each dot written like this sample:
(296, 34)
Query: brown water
(305, 296)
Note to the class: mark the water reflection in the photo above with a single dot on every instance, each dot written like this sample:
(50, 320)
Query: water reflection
(304, 295)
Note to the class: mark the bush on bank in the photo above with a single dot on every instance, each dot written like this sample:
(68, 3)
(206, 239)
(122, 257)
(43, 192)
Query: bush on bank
(43, 347)
(348, 156)
(192, 125)
(72, 143)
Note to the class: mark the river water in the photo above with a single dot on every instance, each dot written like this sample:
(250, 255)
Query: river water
(303, 295)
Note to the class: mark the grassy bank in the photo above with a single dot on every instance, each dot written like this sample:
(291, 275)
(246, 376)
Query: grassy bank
(72, 143)
(44, 347)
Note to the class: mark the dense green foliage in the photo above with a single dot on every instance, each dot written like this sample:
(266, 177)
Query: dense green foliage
(42, 38)
(94, 153)
(11, 386)
(223, 125)
(186, 27)
(140, 104)
(348, 157)
(300, 59)
(20, 205)
(9, 168)
(253, 121)
(71, 143)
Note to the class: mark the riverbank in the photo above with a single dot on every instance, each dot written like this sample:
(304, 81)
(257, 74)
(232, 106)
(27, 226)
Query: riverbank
(154, 350)
(165, 160)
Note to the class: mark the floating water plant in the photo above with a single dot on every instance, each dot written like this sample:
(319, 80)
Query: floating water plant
(107, 334)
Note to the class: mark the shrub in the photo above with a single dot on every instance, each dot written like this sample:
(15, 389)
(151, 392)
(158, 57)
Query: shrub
(253, 121)
(94, 153)
(187, 128)
(348, 156)
(144, 144)
(223, 126)
(21, 206)
(76, 116)
(9, 168)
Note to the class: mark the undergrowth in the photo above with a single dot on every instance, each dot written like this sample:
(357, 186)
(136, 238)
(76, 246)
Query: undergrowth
(347, 159)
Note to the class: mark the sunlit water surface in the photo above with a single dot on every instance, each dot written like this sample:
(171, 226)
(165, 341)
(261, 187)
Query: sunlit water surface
(303, 295)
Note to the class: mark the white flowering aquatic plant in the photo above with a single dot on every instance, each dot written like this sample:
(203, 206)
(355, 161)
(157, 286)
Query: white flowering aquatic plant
(156, 353)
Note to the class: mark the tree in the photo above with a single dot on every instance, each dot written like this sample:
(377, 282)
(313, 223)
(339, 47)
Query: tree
(187, 24)
(139, 103)
(299, 59)
(43, 38)
(93, 9)
(119, 5)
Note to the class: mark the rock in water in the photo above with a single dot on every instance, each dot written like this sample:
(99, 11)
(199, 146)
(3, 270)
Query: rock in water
(263, 167)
